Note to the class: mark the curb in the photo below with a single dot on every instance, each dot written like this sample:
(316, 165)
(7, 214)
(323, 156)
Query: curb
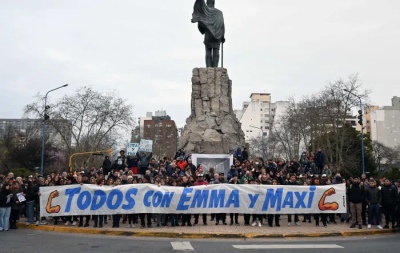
(111, 232)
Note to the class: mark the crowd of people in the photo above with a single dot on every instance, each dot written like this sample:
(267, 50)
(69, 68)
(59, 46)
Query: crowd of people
(368, 198)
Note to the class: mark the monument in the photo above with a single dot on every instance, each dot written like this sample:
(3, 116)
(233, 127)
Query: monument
(212, 127)
(210, 23)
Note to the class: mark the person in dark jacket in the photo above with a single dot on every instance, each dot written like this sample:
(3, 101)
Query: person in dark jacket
(6, 201)
(245, 154)
(29, 202)
(373, 200)
(106, 166)
(133, 162)
(356, 195)
(16, 205)
(319, 159)
(389, 199)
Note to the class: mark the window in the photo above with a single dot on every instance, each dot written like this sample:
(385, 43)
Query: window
(261, 109)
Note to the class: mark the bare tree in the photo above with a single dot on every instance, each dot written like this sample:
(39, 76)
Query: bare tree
(311, 118)
(87, 120)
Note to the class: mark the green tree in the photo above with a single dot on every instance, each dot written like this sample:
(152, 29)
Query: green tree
(351, 152)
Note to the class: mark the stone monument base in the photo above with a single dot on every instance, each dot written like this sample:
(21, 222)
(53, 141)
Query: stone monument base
(212, 127)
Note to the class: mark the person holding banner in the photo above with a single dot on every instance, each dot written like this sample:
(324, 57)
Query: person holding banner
(272, 217)
(257, 218)
(292, 181)
(199, 182)
(186, 216)
(324, 217)
(234, 180)
(219, 179)
(98, 219)
(145, 180)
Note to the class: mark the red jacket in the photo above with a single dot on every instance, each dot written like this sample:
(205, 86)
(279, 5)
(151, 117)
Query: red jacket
(198, 183)
(181, 164)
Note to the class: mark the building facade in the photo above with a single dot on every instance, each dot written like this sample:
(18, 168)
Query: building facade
(258, 115)
(32, 128)
(385, 124)
(162, 130)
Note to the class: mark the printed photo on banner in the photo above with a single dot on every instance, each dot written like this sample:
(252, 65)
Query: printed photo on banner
(132, 149)
(221, 163)
(146, 146)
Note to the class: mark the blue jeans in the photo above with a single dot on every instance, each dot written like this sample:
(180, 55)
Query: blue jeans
(30, 211)
(374, 214)
(4, 218)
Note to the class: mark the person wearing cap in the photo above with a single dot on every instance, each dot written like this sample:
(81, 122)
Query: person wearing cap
(356, 195)
(199, 182)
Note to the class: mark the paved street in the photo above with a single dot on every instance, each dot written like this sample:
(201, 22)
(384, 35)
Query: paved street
(234, 231)
(26, 240)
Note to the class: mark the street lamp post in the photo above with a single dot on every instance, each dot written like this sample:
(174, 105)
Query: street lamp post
(362, 130)
(262, 140)
(46, 117)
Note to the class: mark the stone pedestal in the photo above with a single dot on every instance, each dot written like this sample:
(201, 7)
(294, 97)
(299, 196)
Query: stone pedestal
(212, 127)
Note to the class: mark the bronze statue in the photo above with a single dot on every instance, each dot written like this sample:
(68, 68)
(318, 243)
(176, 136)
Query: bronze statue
(210, 23)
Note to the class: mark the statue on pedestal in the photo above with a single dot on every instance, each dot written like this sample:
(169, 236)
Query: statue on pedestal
(210, 23)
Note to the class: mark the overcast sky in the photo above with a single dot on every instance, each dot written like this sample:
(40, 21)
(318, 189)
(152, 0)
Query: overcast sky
(146, 49)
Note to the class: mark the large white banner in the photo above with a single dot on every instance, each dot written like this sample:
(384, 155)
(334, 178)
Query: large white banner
(221, 198)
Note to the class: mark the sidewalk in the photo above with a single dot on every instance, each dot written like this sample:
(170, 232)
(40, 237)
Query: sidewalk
(220, 231)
